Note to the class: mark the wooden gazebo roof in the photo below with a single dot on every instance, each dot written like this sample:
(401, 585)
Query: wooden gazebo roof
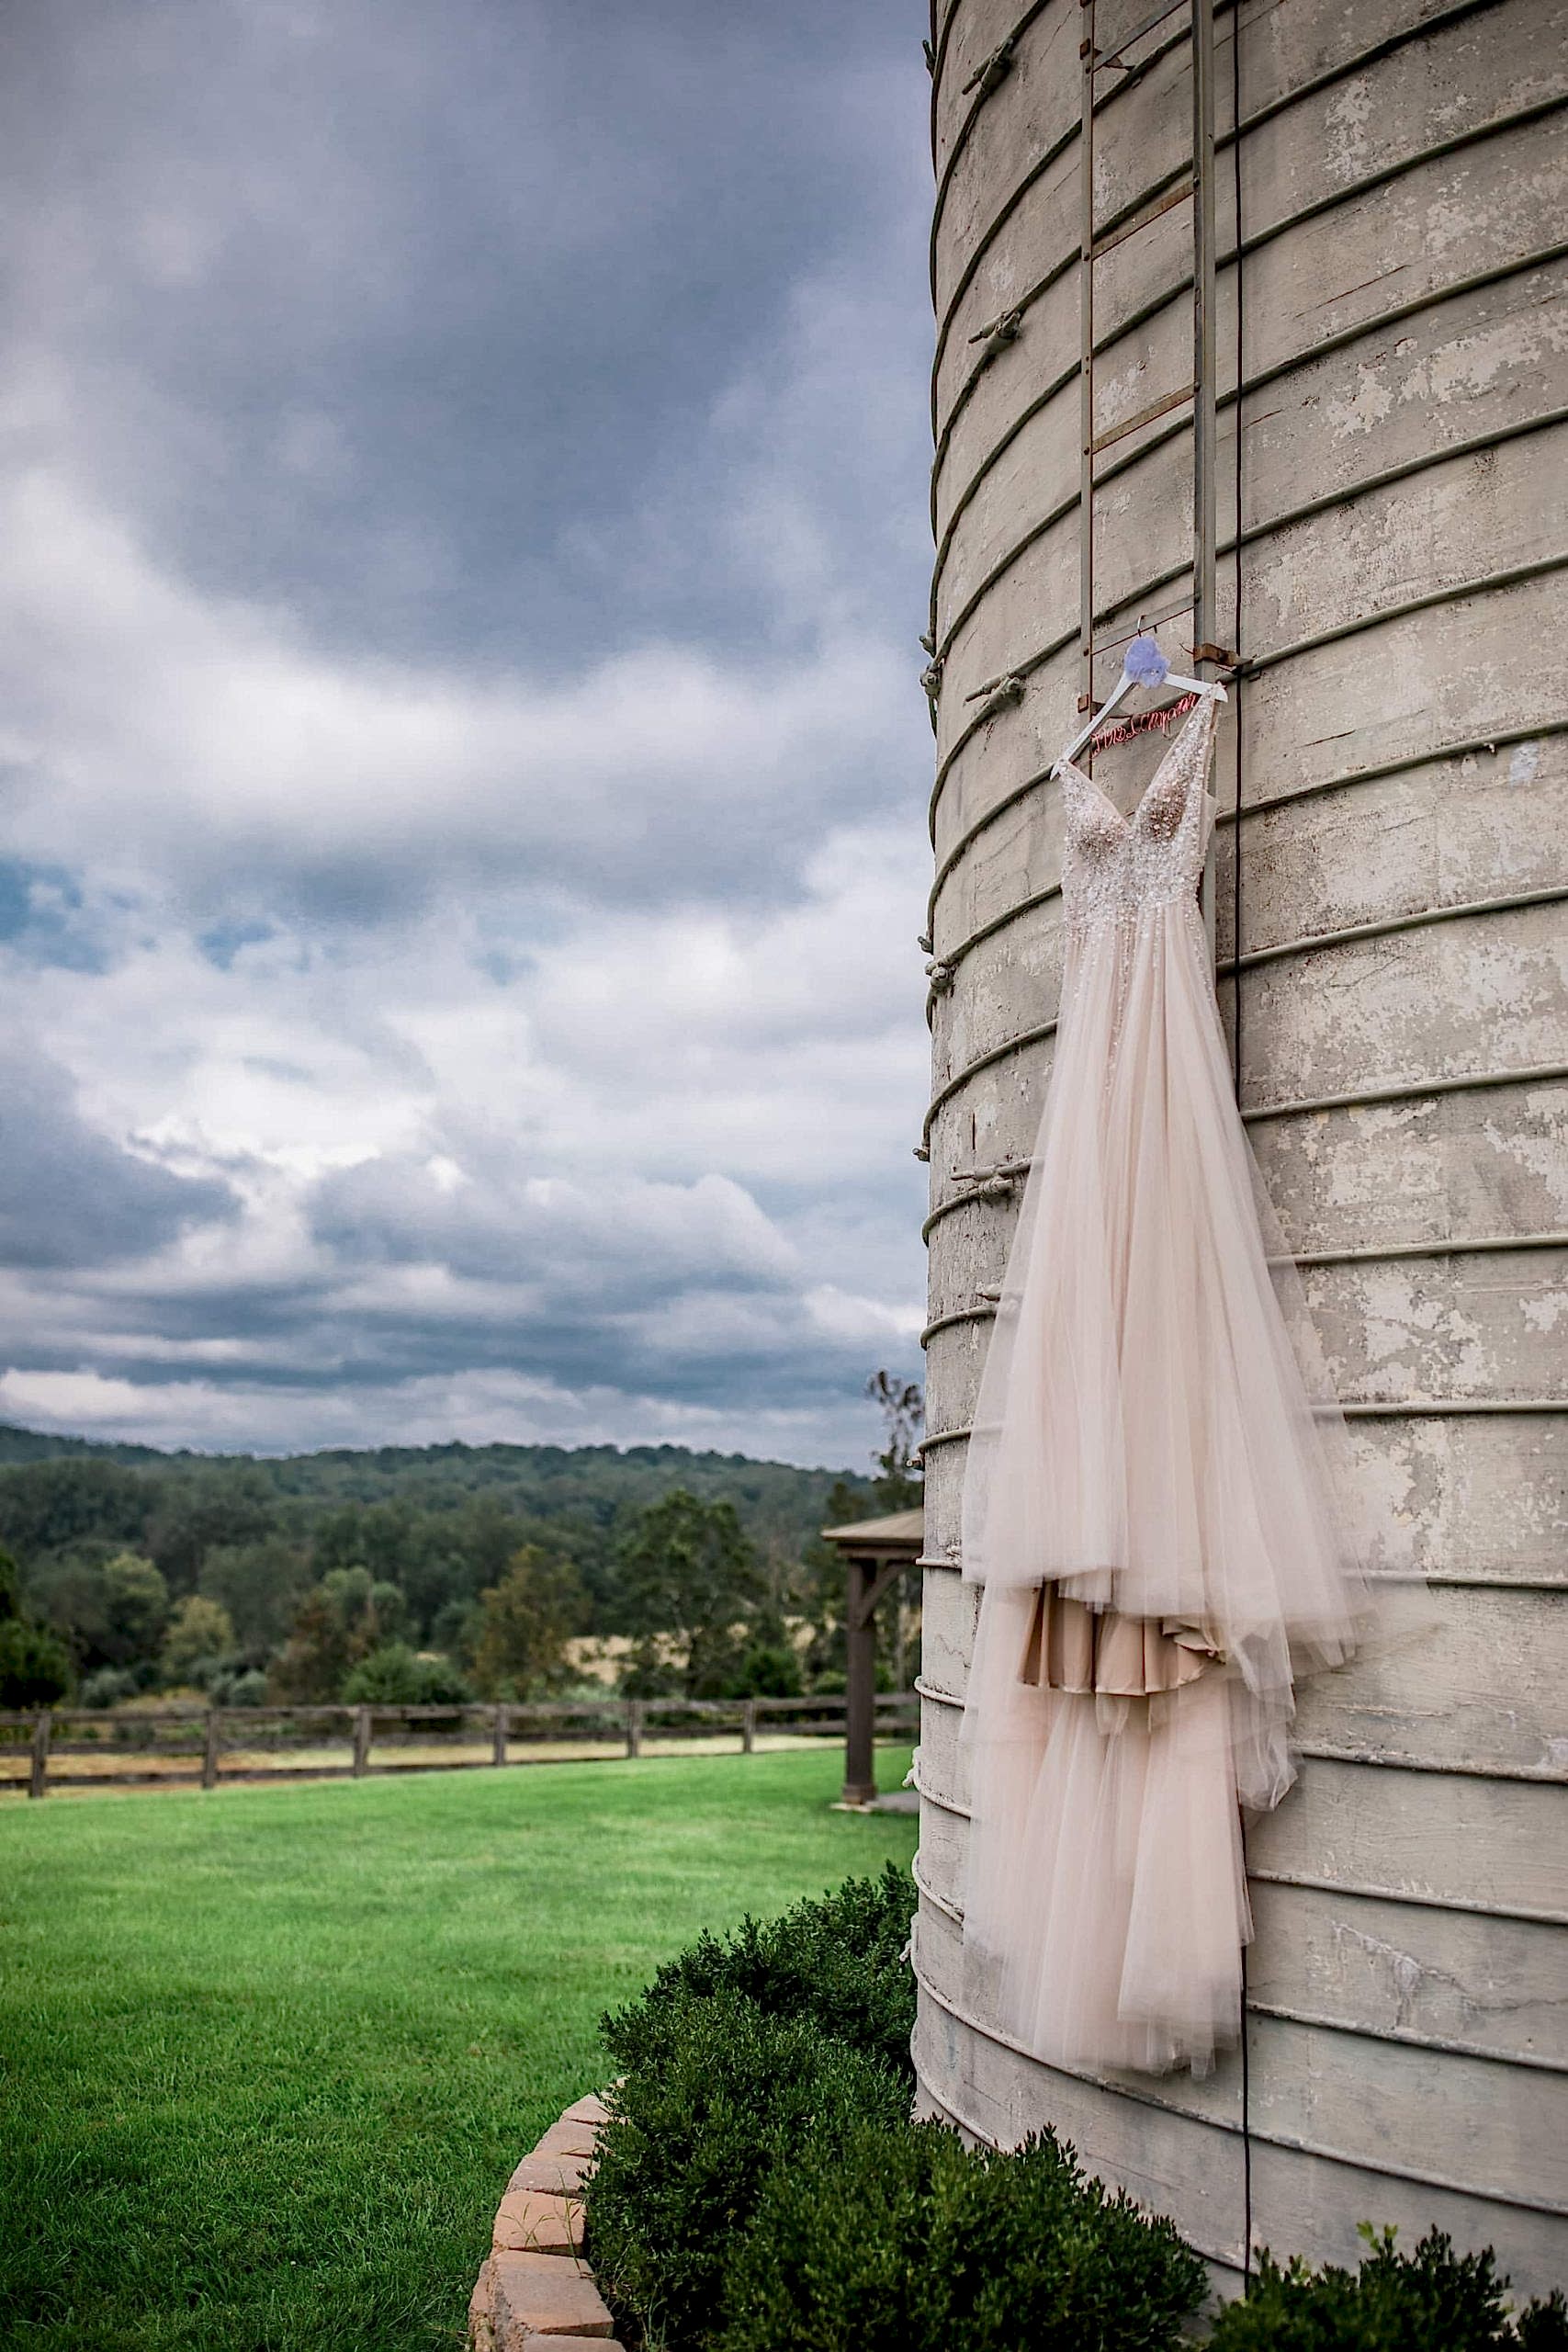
(901, 1534)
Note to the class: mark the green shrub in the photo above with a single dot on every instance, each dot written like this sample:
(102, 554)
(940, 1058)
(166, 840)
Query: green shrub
(110, 1687)
(767, 1670)
(906, 2241)
(838, 1960)
(35, 1665)
(647, 1676)
(716, 2096)
(229, 1682)
(1420, 2302)
(201, 1634)
(396, 1676)
(760, 2187)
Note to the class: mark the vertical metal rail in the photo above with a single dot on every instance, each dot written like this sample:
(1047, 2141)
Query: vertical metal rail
(1204, 498)
(1206, 654)
(1237, 511)
(1085, 368)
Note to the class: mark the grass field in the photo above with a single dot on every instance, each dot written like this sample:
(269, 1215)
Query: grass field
(268, 2055)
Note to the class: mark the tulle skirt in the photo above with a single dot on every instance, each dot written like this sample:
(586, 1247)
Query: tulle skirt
(1106, 1905)
(1155, 1503)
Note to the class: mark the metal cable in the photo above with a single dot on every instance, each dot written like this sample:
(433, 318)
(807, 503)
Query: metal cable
(1238, 438)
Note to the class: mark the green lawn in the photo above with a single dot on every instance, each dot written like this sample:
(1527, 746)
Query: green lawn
(268, 2056)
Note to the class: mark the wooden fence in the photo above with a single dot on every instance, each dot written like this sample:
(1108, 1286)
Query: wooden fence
(110, 1747)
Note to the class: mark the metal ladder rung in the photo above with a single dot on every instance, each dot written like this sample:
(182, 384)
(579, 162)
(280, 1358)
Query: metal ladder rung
(1128, 40)
(1145, 416)
(1145, 621)
(1143, 217)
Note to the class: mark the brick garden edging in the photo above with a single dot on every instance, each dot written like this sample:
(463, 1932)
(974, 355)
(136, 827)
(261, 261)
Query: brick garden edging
(535, 2293)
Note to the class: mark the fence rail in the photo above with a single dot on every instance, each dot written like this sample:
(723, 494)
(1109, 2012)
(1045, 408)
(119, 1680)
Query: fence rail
(201, 1746)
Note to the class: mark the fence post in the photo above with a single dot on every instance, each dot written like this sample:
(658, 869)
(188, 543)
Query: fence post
(748, 1726)
(361, 1741)
(502, 1719)
(634, 1727)
(209, 1753)
(37, 1778)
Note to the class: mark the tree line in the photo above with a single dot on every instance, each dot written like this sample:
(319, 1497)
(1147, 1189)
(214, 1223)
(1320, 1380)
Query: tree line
(432, 1573)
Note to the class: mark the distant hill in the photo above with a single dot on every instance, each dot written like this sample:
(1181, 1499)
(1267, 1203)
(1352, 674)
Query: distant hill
(591, 1488)
(306, 1556)
(43, 1445)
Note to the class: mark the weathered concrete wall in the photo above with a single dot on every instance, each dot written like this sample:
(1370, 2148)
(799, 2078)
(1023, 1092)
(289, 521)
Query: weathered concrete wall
(1394, 774)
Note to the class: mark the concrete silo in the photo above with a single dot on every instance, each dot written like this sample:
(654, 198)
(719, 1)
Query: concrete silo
(1391, 865)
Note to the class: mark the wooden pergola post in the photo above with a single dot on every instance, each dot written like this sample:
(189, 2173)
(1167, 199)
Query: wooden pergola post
(876, 1552)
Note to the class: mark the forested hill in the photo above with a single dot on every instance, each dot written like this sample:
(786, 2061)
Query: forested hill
(779, 1504)
(43, 1445)
(440, 1520)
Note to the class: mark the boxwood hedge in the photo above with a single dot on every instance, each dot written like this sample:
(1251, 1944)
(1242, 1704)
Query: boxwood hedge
(761, 2188)
(1430, 2300)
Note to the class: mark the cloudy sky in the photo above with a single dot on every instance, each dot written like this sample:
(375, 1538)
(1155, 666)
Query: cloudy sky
(461, 755)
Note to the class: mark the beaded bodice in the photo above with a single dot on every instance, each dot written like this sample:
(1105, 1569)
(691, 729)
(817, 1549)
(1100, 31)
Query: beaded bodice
(1114, 867)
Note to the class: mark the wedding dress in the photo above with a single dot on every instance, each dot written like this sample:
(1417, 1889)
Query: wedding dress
(1152, 1500)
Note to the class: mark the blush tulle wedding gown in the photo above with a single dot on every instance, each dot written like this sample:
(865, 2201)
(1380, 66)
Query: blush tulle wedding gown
(1152, 1503)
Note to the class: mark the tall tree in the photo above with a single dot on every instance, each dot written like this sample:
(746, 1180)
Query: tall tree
(35, 1665)
(903, 1407)
(899, 1486)
(47, 1506)
(259, 1584)
(524, 1622)
(690, 1573)
(137, 1607)
(111, 1611)
(340, 1620)
(200, 1630)
(224, 1502)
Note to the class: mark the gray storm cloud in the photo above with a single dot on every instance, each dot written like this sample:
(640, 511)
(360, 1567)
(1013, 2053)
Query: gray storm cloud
(460, 761)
